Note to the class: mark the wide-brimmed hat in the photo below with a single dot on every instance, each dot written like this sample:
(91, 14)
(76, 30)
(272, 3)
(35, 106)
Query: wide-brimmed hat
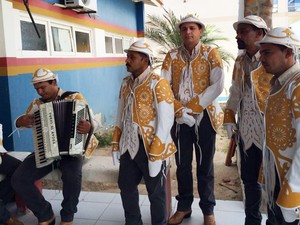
(253, 20)
(142, 46)
(281, 36)
(43, 74)
(190, 19)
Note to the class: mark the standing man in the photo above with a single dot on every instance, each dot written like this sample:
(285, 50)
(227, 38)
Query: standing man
(281, 159)
(8, 165)
(195, 72)
(142, 139)
(45, 83)
(248, 93)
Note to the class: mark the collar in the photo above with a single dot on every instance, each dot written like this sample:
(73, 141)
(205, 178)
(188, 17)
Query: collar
(287, 74)
(141, 78)
(254, 58)
(195, 50)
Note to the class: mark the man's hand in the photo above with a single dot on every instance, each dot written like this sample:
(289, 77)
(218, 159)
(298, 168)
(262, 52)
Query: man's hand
(116, 157)
(154, 167)
(230, 128)
(25, 121)
(83, 126)
(186, 117)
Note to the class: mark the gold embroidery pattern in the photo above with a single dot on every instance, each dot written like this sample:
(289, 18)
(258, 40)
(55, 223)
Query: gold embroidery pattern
(117, 134)
(177, 67)
(194, 105)
(157, 147)
(167, 62)
(215, 59)
(295, 102)
(163, 92)
(145, 110)
(229, 116)
(261, 83)
(35, 102)
(200, 75)
(279, 134)
(217, 120)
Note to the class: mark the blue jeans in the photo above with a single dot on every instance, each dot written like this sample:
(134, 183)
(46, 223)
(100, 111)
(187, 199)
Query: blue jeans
(250, 166)
(131, 173)
(27, 173)
(205, 150)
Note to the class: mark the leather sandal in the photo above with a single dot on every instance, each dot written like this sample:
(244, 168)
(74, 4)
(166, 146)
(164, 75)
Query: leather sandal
(179, 216)
(13, 221)
(209, 220)
(48, 222)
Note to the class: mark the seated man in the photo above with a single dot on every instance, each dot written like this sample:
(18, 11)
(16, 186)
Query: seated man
(45, 82)
(8, 165)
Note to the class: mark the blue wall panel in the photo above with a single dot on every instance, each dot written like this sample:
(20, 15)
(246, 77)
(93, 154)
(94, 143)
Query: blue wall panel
(100, 86)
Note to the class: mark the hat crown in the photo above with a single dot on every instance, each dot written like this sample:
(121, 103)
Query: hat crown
(254, 20)
(282, 36)
(190, 19)
(141, 46)
(42, 74)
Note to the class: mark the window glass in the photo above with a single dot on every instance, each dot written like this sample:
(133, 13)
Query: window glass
(118, 45)
(275, 5)
(108, 45)
(293, 5)
(61, 39)
(82, 42)
(30, 39)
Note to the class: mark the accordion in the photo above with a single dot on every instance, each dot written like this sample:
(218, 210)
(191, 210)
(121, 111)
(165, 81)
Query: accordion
(55, 130)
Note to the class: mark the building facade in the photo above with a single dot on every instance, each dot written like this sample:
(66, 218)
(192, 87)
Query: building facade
(80, 40)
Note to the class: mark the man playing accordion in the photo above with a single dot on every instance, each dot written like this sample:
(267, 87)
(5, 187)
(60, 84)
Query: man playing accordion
(45, 84)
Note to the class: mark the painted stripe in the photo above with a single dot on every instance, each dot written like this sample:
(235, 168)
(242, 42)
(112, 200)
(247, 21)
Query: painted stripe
(46, 9)
(14, 66)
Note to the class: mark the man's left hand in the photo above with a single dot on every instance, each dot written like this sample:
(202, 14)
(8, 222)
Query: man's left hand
(83, 126)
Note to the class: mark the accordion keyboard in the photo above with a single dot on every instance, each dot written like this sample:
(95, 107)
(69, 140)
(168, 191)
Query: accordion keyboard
(40, 157)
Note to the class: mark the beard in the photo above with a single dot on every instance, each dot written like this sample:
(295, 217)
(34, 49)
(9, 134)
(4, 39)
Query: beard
(241, 44)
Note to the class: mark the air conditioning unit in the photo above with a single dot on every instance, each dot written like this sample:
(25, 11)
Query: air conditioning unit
(82, 6)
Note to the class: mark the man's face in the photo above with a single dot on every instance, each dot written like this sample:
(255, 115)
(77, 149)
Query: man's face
(190, 33)
(246, 36)
(273, 58)
(136, 62)
(46, 90)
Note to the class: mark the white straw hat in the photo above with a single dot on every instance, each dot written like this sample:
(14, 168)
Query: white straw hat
(43, 74)
(253, 20)
(143, 47)
(190, 19)
(281, 36)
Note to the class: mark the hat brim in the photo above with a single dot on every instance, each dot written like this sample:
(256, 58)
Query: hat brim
(235, 25)
(197, 22)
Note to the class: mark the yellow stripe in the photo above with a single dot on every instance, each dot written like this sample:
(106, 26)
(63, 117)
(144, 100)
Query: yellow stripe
(16, 70)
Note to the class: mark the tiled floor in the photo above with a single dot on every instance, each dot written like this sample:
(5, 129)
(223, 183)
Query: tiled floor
(98, 208)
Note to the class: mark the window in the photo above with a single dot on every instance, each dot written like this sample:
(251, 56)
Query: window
(30, 38)
(61, 39)
(82, 41)
(293, 5)
(108, 45)
(275, 5)
(119, 46)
